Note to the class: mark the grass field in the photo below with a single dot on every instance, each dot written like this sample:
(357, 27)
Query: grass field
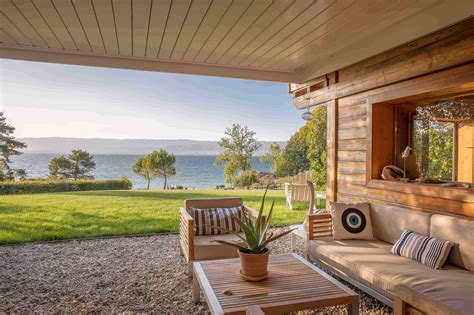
(56, 216)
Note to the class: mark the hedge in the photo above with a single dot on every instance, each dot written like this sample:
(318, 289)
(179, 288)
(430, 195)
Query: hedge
(48, 186)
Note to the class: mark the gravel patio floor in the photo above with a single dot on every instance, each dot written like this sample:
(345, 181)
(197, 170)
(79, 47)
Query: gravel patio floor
(111, 275)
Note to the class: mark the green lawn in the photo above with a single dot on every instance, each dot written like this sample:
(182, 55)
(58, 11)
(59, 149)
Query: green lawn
(55, 216)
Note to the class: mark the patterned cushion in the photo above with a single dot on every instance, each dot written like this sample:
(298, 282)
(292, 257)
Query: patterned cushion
(429, 251)
(351, 221)
(219, 217)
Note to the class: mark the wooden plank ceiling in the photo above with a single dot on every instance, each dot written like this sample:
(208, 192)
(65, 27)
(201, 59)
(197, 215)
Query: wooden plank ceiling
(276, 40)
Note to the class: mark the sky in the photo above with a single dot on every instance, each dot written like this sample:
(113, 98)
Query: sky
(53, 100)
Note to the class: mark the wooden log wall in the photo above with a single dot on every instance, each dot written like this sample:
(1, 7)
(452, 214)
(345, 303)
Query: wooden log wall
(437, 65)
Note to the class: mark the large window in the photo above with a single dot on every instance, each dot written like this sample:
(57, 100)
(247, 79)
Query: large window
(432, 141)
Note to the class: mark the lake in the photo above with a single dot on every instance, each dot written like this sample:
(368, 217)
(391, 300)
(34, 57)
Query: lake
(192, 171)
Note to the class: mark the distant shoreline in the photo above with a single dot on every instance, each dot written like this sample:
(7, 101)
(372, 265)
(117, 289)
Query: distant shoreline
(192, 171)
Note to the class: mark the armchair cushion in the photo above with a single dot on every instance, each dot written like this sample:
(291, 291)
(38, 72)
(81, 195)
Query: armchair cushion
(205, 219)
(206, 248)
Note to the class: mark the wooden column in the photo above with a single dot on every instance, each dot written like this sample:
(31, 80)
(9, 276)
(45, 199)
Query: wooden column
(331, 176)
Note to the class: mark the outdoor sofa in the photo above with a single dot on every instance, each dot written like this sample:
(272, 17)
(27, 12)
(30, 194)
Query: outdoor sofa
(370, 266)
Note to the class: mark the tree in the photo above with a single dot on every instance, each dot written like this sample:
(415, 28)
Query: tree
(317, 148)
(60, 168)
(272, 156)
(164, 164)
(306, 150)
(238, 148)
(20, 174)
(156, 164)
(82, 163)
(77, 165)
(294, 158)
(143, 167)
(8, 147)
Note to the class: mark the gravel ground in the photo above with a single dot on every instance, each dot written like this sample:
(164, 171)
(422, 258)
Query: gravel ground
(112, 275)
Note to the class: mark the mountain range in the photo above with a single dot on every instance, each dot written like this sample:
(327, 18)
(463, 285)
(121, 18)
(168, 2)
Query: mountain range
(60, 145)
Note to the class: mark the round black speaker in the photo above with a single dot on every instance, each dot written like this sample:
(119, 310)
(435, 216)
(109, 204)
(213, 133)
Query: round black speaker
(353, 220)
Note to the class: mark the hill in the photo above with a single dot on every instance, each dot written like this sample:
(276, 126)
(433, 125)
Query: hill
(59, 145)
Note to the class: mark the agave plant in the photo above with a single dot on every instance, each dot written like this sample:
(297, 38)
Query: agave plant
(256, 235)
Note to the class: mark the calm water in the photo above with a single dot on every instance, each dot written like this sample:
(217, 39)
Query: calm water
(191, 171)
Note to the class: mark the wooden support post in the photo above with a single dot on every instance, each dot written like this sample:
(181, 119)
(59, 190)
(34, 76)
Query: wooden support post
(331, 142)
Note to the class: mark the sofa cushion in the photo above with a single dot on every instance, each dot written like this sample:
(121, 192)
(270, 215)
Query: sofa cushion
(372, 264)
(205, 248)
(430, 251)
(461, 232)
(389, 222)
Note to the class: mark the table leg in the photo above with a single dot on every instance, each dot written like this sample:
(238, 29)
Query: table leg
(196, 290)
(353, 308)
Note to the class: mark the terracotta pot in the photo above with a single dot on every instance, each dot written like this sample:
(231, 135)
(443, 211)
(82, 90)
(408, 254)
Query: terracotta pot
(254, 266)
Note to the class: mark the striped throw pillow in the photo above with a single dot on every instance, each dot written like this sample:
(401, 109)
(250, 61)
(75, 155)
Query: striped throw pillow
(429, 251)
(219, 217)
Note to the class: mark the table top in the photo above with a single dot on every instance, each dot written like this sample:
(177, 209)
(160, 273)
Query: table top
(292, 284)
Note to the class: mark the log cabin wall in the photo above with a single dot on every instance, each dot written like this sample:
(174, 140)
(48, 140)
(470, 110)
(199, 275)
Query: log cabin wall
(360, 95)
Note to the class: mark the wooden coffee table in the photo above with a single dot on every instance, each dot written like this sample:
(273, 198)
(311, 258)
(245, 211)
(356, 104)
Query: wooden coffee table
(293, 284)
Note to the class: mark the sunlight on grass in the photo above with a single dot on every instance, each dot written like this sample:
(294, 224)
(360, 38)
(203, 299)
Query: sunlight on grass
(56, 216)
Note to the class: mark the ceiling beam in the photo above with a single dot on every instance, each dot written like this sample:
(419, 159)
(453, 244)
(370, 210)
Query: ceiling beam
(136, 63)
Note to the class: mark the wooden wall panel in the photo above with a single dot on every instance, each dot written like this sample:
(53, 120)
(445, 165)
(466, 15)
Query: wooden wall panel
(360, 112)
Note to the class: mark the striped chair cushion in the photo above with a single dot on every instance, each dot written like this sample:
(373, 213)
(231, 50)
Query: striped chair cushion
(219, 217)
(429, 251)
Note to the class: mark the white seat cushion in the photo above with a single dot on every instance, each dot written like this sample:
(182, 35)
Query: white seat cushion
(372, 264)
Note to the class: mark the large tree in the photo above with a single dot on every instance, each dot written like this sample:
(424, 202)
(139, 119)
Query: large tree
(238, 147)
(306, 150)
(164, 162)
(8, 147)
(317, 145)
(60, 168)
(156, 164)
(144, 168)
(82, 164)
(294, 158)
(77, 165)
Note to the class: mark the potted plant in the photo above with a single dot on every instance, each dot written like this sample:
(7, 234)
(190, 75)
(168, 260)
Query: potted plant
(253, 251)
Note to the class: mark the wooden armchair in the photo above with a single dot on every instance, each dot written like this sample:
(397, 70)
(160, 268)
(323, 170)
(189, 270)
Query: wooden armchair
(298, 190)
(315, 225)
(202, 247)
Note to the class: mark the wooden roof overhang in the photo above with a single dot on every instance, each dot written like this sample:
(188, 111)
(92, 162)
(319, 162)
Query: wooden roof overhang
(272, 40)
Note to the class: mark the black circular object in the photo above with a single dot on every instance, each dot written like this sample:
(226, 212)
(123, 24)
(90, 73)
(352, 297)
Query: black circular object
(353, 220)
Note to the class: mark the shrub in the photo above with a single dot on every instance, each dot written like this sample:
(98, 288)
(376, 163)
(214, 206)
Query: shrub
(48, 186)
(246, 179)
